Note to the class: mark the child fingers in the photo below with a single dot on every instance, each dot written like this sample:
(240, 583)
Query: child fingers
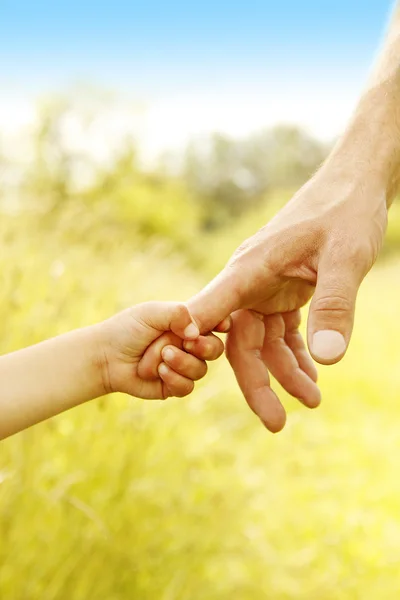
(150, 361)
(206, 347)
(182, 323)
(176, 384)
(165, 316)
(224, 326)
(183, 363)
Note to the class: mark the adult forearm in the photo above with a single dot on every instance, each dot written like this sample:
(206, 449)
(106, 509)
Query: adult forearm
(371, 142)
(51, 377)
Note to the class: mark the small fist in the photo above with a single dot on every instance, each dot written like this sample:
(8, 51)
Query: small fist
(165, 330)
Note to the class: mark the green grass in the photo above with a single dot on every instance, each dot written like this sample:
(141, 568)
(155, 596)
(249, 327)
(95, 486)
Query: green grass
(192, 499)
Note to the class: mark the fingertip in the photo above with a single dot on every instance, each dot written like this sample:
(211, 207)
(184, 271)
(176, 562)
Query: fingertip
(188, 345)
(205, 347)
(273, 428)
(163, 370)
(328, 346)
(313, 401)
(224, 326)
(327, 362)
(215, 352)
(277, 424)
(168, 353)
(191, 332)
(177, 385)
(183, 324)
(267, 406)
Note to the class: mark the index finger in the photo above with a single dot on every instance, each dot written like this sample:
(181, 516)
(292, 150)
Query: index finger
(214, 303)
(244, 346)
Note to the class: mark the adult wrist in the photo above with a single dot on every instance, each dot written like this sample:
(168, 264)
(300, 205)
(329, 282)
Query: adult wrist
(369, 150)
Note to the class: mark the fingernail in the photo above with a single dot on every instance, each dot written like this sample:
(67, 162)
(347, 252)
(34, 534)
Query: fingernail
(163, 369)
(168, 354)
(188, 346)
(191, 331)
(328, 344)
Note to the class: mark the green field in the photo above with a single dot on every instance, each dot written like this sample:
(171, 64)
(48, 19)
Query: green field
(192, 499)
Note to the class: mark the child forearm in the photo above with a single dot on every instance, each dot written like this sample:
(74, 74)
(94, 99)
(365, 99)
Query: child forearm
(44, 380)
(48, 378)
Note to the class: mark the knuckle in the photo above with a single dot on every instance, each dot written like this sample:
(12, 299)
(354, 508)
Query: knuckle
(149, 370)
(358, 254)
(181, 311)
(241, 250)
(234, 274)
(292, 321)
(334, 303)
(244, 254)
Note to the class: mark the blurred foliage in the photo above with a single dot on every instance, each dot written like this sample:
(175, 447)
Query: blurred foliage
(190, 499)
(229, 177)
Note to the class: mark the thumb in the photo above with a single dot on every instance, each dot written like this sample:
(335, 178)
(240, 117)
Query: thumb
(216, 301)
(169, 316)
(331, 315)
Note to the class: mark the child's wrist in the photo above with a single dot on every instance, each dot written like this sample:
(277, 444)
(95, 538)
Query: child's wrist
(100, 363)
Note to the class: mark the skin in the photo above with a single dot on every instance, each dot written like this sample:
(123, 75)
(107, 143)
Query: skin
(46, 379)
(319, 247)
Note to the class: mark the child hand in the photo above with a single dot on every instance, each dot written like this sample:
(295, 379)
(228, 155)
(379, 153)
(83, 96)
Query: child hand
(125, 337)
(171, 351)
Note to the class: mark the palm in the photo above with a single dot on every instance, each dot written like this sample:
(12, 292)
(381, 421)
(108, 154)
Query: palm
(291, 295)
(127, 338)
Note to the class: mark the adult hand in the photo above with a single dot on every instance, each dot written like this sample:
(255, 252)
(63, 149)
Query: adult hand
(320, 245)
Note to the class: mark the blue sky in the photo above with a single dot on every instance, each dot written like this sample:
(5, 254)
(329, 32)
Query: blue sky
(233, 65)
(155, 45)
